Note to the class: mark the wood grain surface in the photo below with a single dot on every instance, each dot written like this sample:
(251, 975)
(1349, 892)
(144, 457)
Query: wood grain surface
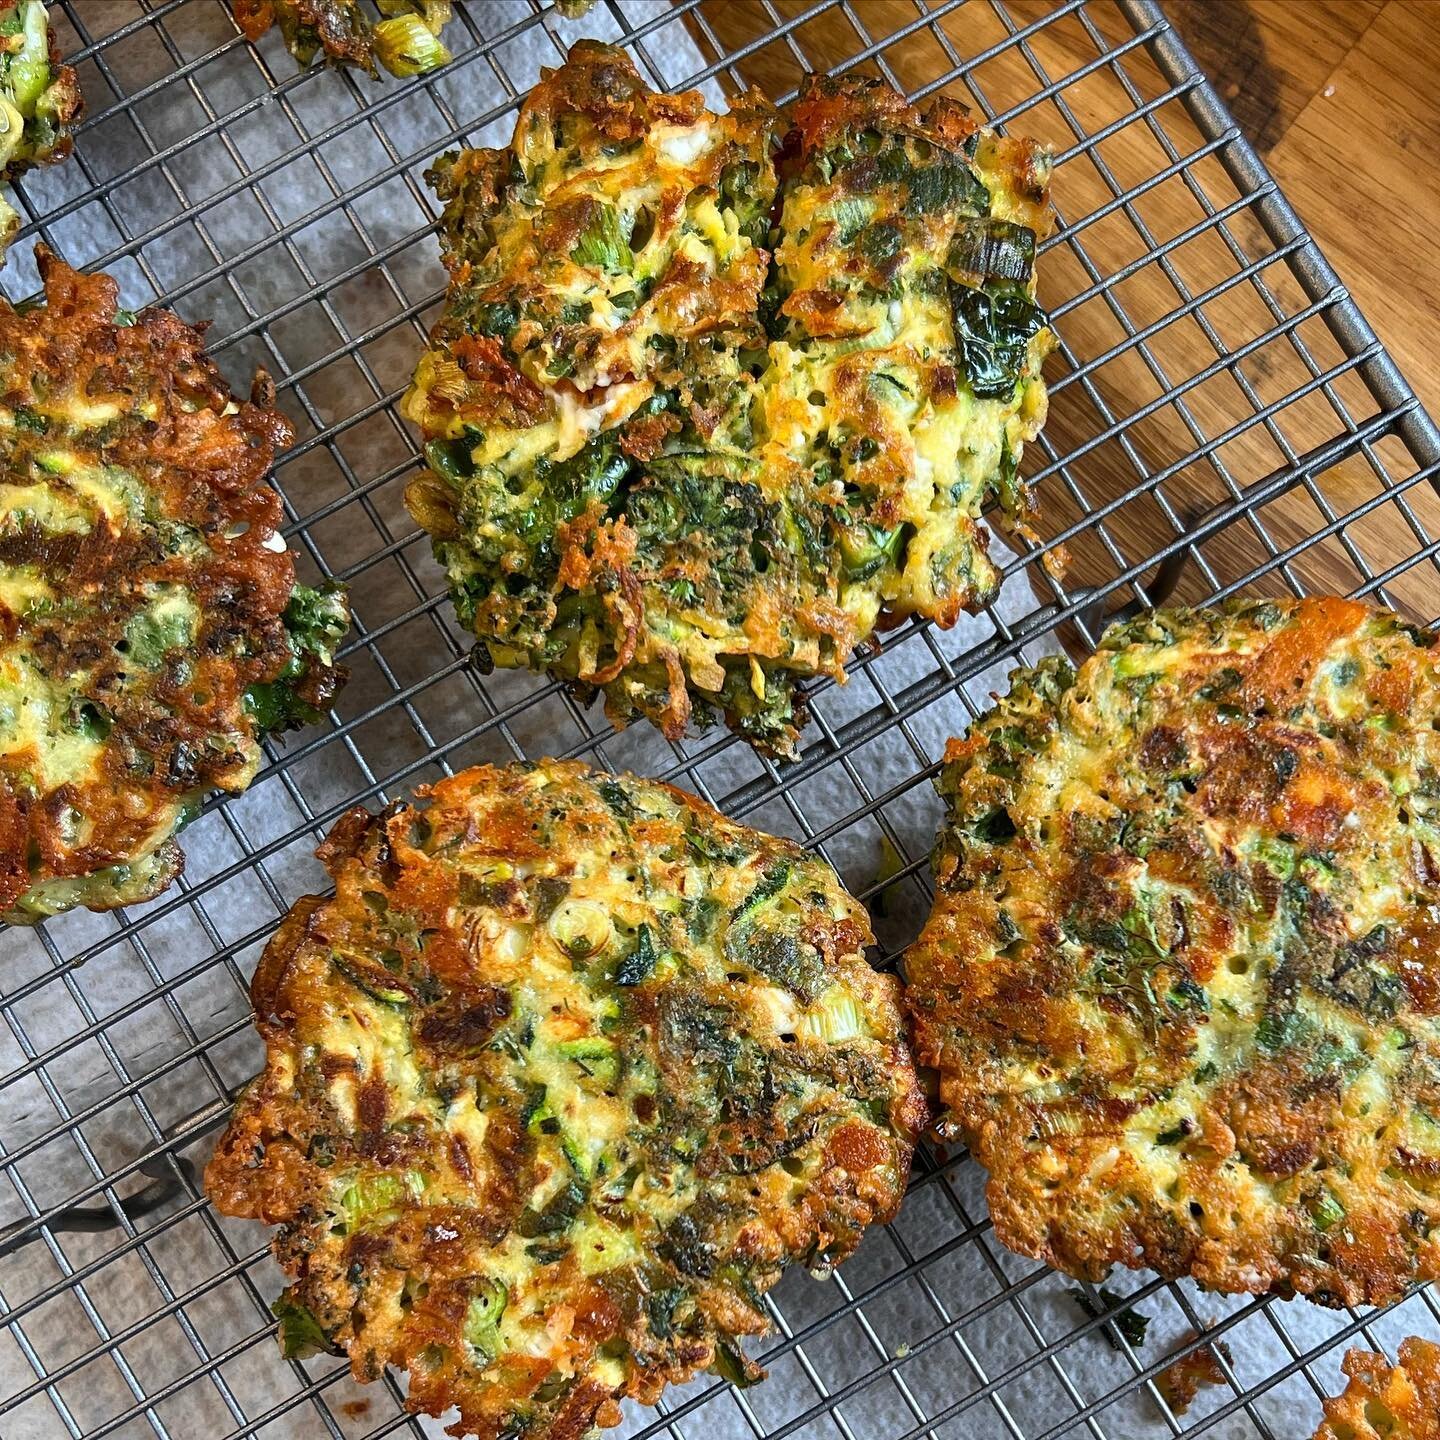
(1342, 99)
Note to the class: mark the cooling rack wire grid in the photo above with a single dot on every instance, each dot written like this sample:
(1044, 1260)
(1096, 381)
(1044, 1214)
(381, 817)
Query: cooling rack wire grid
(1222, 419)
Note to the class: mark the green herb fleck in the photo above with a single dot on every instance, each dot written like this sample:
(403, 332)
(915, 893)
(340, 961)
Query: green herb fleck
(1130, 1322)
(300, 1332)
(1326, 1210)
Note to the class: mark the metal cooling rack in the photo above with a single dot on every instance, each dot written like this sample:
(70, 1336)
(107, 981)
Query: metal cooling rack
(1222, 418)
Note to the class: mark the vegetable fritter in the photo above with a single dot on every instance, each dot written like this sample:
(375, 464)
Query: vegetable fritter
(1384, 1402)
(1182, 978)
(151, 630)
(39, 98)
(690, 461)
(559, 1082)
(406, 41)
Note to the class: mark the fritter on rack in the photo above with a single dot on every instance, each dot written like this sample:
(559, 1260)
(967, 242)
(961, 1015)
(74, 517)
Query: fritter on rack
(406, 40)
(1182, 979)
(556, 1086)
(1385, 1402)
(666, 469)
(39, 98)
(151, 630)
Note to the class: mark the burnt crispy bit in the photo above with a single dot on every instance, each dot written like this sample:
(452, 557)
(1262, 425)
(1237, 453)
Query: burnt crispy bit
(1182, 978)
(151, 630)
(669, 465)
(1387, 1402)
(565, 1075)
(1183, 1378)
(406, 41)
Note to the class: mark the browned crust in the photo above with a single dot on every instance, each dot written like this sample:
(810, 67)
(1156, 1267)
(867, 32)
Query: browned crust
(830, 107)
(1042, 1078)
(1182, 1380)
(690, 329)
(333, 22)
(409, 863)
(203, 468)
(1385, 1402)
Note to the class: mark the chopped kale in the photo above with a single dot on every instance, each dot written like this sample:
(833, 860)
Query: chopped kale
(993, 330)
(1130, 1322)
(315, 622)
(301, 1335)
(557, 1217)
(639, 964)
(686, 1248)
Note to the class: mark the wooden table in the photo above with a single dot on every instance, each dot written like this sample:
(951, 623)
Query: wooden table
(1342, 99)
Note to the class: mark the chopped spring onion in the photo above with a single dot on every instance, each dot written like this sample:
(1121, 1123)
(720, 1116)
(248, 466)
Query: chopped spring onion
(603, 243)
(1326, 1210)
(865, 548)
(1061, 1119)
(482, 1318)
(29, 71)
(852, 215)
(595, 1055)
(834, 1019)
(376, 1199)
(12, 130)
(370, 981)
(405, 46)
(581, 928)
(993, 249)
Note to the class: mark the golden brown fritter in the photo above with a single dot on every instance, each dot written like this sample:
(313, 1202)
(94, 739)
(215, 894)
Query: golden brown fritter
(1182, 982)
(566, 1074)
(697, 428)
(1384, 1402)
(151, 630)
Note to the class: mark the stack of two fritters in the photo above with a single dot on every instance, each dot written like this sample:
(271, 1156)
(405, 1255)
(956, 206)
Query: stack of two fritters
(699, 421)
